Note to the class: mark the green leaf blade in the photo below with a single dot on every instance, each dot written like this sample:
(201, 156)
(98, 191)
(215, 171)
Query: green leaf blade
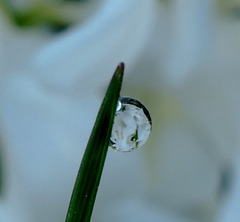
(89, 174)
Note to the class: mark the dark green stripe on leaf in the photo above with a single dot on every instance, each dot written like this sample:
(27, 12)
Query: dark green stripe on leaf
(89, 174)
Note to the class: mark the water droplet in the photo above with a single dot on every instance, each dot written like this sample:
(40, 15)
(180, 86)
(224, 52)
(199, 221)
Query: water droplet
(132, 125)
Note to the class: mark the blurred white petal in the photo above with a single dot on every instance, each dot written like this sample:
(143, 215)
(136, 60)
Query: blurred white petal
(191, 33)
(45, 136)
(139, 210)
(115, 33)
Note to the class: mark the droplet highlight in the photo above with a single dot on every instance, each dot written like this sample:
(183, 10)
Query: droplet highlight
(132, 125)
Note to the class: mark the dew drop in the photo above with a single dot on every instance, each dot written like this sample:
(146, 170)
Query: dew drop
(132, 125)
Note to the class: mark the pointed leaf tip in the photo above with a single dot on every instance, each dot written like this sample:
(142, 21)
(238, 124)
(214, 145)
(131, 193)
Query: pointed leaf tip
(121, 65)
(119, 70)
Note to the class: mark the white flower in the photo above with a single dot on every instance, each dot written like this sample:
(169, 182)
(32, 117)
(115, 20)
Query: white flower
(50, 92)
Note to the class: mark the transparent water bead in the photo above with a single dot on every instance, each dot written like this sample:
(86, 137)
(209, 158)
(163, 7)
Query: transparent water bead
(132, 125)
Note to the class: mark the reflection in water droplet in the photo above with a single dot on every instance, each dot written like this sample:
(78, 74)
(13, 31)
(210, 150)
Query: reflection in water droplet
(132, 125)
(119, 106)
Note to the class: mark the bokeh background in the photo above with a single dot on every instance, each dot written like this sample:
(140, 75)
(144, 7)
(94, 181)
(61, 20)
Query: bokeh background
(182, 61)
